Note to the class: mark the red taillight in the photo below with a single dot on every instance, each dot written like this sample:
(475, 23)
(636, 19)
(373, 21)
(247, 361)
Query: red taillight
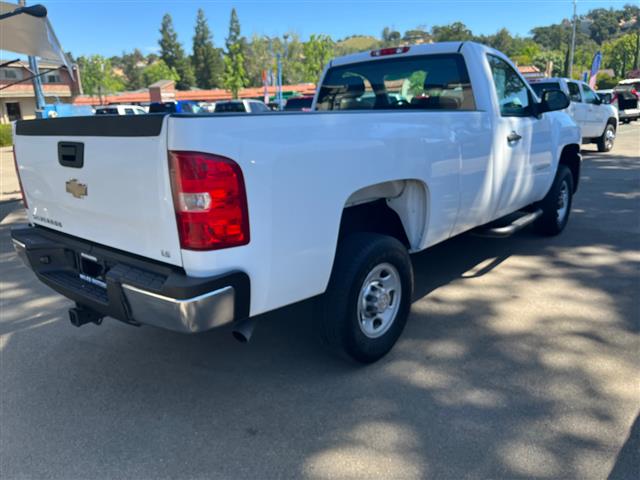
(15, 163)
(389, 51)
(210, 201)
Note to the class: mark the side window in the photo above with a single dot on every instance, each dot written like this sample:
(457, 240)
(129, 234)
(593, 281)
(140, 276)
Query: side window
(574, 92)
(513, 94)
(589, 95)
(129, 111)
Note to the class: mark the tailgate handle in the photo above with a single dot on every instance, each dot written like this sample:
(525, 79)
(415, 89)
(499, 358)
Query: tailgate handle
(71, 154)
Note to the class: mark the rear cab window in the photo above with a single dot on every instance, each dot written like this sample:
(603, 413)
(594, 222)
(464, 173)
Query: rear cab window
(541, 87)
(424, 82)
(230, 107)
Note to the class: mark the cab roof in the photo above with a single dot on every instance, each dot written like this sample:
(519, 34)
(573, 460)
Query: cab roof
(405, 51)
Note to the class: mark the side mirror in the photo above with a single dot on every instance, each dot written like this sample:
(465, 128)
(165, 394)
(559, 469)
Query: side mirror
(553, 100)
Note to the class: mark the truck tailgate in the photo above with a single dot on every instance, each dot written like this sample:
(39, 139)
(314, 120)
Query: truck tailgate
(103, 179)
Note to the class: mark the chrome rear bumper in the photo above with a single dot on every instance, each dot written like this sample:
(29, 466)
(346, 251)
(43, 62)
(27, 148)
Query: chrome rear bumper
(131, 289)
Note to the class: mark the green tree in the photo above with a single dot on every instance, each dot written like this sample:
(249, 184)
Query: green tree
(417, 35)
(456, 31)
(619, 54)
(258, 59)
(132, 65)
(502, 41)
(235, 76)
(390, 37)
(173, 55)
(524, 50)
(96, 73)
(604, 24)
(158, 71)
(552, 37)
(605, 81)
(542, 59)
(317, 53)
(208, 65)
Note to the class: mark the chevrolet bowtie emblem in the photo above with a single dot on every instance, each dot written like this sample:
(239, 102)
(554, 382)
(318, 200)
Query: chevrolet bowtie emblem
(76, 188)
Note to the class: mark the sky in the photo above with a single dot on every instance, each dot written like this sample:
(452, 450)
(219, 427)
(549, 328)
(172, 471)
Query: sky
(109, 27)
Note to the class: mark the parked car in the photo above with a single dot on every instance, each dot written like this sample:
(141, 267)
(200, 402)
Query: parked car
(241, 106)
(299, 103)
(626, 96)
(598, 121)
(193, 222)
(180, 106)
(120, 110)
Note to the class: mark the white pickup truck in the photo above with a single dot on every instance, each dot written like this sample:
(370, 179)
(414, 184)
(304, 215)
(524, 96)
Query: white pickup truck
(598, 121)
(191, 222)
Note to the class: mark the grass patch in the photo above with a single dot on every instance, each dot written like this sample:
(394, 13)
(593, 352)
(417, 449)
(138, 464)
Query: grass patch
(5, 135)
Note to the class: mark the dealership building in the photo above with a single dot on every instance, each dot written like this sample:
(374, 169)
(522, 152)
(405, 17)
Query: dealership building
(17, 98)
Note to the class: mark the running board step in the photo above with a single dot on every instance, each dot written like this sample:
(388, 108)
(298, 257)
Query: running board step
(507, 230)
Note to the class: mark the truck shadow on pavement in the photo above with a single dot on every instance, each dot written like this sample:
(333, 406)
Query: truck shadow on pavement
(518, 361)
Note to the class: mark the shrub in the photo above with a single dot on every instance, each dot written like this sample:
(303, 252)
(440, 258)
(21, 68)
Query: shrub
(605, 81)
(5, 135)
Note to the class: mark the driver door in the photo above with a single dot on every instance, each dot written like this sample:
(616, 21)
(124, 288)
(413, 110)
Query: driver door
(596, 118)
(522, 142)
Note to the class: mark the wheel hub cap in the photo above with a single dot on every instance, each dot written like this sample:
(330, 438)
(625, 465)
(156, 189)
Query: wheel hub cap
(379, 300)
(563, 203)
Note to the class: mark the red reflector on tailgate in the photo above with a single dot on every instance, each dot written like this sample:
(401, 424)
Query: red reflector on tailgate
(210, 201)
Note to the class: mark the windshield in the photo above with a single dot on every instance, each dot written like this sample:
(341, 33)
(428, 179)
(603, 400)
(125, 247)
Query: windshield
(541, 87)
(426, 82)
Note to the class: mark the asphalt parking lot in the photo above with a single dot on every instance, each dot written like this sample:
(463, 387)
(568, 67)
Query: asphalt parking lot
(521, 359)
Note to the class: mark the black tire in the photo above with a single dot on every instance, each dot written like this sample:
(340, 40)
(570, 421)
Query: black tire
(605, 142)
(337, 312)
(550, 222)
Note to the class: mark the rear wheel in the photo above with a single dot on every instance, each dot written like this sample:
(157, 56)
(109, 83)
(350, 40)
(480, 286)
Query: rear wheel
(605, 142)
(556, 206)
(367, 303)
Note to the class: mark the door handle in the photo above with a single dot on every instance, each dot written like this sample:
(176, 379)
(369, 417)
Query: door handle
(513, 137)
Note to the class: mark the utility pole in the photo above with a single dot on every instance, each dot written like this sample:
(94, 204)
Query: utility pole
(573, 40)
(279, 90)
(36, 80)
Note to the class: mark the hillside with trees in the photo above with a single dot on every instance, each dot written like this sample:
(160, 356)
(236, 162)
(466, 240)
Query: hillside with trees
(242, 61)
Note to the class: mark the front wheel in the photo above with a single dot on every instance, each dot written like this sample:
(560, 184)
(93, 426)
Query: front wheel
(605, 142)
(556, 206)
(367, 303)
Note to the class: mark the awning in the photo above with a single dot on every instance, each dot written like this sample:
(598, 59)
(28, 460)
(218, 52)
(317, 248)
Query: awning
(29, 35)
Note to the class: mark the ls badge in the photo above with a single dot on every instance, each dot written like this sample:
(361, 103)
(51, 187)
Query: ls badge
(77, 189)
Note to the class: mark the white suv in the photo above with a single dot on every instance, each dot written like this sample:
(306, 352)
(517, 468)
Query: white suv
(598, 121)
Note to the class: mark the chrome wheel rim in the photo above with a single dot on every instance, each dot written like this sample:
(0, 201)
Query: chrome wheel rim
(563, 202)
(379, 300)
(609, 137)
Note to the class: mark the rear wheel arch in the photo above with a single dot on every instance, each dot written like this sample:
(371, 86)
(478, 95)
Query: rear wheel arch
(397, 208)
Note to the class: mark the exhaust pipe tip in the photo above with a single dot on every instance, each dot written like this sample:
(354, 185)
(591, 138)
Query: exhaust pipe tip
(243, 331)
